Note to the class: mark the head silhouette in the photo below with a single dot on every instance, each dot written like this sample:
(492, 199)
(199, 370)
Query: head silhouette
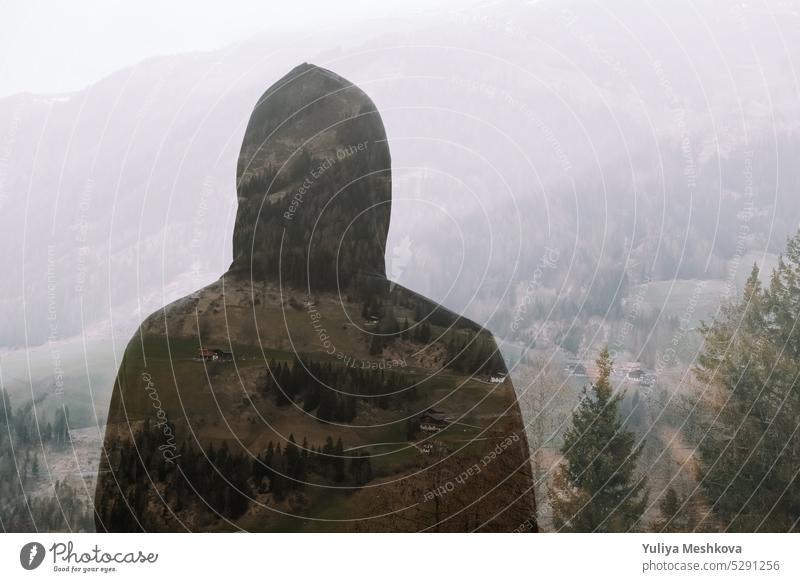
(313, 184)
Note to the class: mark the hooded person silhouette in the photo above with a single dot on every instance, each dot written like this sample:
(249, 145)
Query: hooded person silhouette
(304, 391)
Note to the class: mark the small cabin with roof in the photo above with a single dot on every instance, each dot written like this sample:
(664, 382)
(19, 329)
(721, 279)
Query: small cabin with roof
(432, 420)
(214, 355)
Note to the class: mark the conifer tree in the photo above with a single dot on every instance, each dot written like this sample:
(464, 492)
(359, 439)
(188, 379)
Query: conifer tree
(338, 461)
(596, 488)
(745, 430)
(675, 515)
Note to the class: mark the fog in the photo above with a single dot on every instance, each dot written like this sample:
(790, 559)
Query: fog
(629, 142)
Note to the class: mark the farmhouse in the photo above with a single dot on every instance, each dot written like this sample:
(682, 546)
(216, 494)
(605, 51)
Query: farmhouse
(213, 355)
(433, 448)
(432, 420)
(575, 369)
(636, 374)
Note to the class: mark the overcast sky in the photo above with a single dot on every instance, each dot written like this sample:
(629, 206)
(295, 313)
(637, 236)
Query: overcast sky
(53, 46)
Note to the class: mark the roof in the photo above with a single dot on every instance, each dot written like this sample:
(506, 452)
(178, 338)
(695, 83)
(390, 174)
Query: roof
(434, 414)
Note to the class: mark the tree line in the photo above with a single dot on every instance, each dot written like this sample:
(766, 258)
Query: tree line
(27, 502)
(333, 392)
(214, 480)
(744, 428)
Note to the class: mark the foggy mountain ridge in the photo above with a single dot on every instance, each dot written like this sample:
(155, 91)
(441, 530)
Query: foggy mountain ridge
(613, 157)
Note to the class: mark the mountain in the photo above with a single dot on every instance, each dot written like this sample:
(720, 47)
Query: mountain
(629, 138)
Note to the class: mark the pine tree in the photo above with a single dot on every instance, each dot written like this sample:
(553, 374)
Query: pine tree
(745, 430)
(423, 332)
(338, 461)
(404, 329)
(596, 488)
(674, 514)
(376, 345)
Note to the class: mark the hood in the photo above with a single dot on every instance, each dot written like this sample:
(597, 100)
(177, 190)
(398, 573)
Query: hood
(314, 185)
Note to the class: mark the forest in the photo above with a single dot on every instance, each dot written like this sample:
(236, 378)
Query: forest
(215, 479)
(742, 426)
(29, 501)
